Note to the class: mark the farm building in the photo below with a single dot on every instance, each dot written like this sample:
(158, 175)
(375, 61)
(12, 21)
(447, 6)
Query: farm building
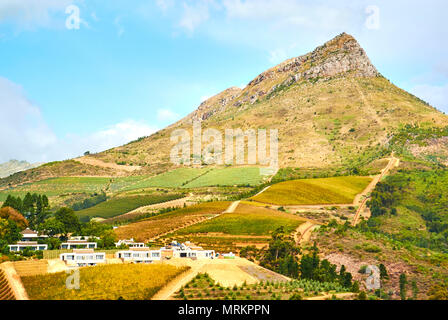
(83, 258)
(139, 255)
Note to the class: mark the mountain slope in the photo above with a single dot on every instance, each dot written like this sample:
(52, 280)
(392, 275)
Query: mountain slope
(331, 106)
(14, 166)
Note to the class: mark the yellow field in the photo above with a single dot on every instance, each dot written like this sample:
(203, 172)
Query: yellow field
(108, 282)
(337, 190)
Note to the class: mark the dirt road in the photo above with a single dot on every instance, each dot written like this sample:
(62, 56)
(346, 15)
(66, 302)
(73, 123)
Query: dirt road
(303, 232)
(393, 162)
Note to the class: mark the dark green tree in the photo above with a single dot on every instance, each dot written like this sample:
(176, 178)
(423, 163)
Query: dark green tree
(69, 220)
(414, 289)
(383, 272)
(403, 283)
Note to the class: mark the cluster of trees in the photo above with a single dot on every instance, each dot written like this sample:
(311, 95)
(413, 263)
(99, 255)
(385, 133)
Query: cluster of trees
(34, 207)
(33, 211)
(90, 202)
(311, 267)
(383, 198)
(281, 254)
(281, 257)
(11, 223)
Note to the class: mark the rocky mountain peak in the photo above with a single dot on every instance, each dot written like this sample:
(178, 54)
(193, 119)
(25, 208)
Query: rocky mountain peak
(342, 56)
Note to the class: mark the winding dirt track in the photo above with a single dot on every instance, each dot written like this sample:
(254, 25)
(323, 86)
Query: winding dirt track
(303, 232)
(392, 162)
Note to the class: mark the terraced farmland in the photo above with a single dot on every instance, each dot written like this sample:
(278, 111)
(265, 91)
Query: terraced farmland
(203, 287)
(171, 179)
(247, 220)
(228, 177)
(108, 282)
(6, 292)
(117, 206)
(248, 225)
(70, 185)
(337, 190)
(197, 178)
(158, 225)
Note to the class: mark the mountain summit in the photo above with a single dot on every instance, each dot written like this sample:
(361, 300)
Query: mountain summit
(340, 57)
(331, 107)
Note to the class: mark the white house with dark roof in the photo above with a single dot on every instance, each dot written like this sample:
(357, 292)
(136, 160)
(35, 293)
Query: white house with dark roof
(83, 258)
(32, 245)
(78, 244)
(31, 235)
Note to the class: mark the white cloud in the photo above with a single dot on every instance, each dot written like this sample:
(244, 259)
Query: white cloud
(23, 131)
(195, 14)
(26, 136)
(166, 115)
(30, 13)
(94, 17)
(437, 96)
(164, 5)
(286, 12)
(119, 26)
(112, 136)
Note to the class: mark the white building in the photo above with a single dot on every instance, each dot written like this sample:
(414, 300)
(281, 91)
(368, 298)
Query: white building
(32, 245)
(130, 243)
(81, 238)
(139, 255)
(31, 235)
(78, 244)
(83, 258)
(189, 250)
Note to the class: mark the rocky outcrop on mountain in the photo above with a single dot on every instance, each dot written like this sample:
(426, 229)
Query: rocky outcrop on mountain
(214, 104)
(341, 56)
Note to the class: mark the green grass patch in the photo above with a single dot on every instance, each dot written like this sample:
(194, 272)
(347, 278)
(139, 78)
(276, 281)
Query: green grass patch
(171, 179)
(228, 177)
(122, 205)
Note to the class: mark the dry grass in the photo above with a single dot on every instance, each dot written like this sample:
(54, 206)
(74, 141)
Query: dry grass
(109, 282)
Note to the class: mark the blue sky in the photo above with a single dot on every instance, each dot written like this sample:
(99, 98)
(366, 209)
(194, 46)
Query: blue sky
(136, 66)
